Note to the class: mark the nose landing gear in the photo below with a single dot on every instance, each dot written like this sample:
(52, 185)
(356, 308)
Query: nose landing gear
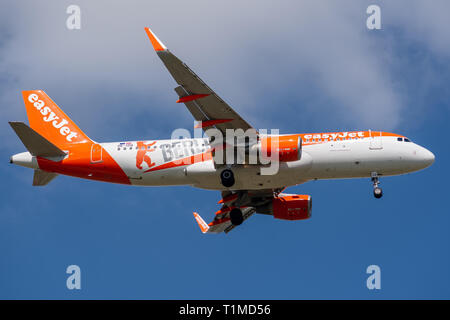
(377, 191)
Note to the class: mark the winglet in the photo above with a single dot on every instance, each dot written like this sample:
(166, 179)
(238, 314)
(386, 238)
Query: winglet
(201, 223)
(156, 43)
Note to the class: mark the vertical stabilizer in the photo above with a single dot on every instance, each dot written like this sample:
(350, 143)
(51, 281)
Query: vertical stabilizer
(47, 119)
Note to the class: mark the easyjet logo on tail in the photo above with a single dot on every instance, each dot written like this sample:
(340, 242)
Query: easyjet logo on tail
(49, 116)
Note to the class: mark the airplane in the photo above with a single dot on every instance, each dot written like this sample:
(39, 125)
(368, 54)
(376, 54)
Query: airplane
(57, 146)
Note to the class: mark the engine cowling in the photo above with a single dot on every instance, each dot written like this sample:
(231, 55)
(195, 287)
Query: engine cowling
(286, 149)
(292, 207)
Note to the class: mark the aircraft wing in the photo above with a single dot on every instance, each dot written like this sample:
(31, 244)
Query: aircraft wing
(247, 200)
(203, 103)
(221, 224)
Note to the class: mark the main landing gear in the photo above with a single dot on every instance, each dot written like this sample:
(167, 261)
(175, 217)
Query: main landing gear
(377, 191)
(227, 178)
(236, 217)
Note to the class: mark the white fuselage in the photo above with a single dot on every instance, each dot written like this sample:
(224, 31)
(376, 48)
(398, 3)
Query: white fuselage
(340, 159)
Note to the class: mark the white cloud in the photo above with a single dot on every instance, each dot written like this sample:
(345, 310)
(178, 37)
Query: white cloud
(249, 52)
(424, 22)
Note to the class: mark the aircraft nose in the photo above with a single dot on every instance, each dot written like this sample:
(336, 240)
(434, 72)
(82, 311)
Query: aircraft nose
(428, 157)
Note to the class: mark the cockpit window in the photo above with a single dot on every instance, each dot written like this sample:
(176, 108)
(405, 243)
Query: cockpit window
(407, 140)
(399, 139)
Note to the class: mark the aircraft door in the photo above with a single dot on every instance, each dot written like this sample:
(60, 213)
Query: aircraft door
(376, 142)
(96, 153)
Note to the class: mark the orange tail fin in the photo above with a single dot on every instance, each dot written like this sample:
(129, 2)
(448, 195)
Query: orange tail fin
(50, 121)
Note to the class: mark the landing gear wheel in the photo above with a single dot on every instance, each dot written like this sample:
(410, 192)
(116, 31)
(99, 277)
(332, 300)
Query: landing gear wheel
(236, 217)
(378, 192)
(227, 178)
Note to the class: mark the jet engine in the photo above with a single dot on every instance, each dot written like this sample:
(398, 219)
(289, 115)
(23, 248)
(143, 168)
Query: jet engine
(292, 207)
(285, 148)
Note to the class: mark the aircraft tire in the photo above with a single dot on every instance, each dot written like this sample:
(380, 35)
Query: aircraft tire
(227, 178)
(236, 217)
(377, 192)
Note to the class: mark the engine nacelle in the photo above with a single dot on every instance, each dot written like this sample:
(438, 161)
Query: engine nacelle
(286, 149)
(292, 207)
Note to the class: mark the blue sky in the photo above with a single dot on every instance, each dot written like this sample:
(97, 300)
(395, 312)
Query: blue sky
(300, 67)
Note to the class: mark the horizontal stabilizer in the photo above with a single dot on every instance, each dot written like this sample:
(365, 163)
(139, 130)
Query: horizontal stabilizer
(42, 178)
(36, 144)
